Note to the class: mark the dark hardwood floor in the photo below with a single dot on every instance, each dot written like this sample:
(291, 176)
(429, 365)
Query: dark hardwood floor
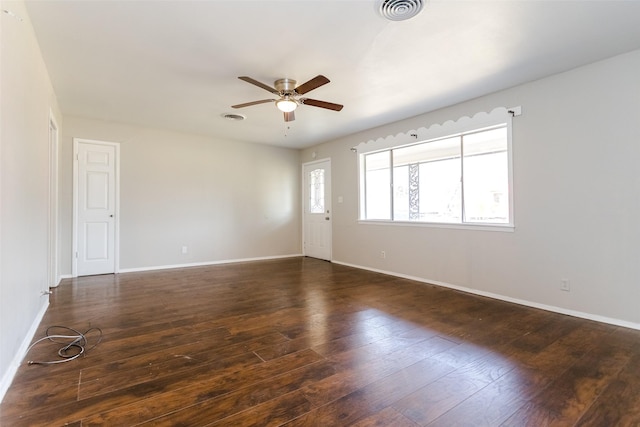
(302, 342)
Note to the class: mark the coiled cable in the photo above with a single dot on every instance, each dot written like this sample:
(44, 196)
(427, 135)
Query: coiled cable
(75, 343)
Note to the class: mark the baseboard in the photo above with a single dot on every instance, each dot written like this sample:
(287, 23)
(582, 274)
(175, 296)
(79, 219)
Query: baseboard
(7, 378)
(60, 278)
(203, 264)
(552, 308)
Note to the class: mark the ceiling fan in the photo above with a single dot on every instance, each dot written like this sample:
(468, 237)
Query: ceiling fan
(289, 95)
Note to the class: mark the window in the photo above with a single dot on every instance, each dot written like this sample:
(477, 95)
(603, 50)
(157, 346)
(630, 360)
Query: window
(316, 191)
(461, 178)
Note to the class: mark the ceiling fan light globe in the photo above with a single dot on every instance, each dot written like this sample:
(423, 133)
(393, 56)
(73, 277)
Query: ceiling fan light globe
(286, 105)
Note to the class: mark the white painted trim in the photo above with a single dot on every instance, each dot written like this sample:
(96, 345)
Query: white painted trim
(438, 130)
(7, 378)
(458, 226)
(206, 263)
(313, 162)
(52, 252)
(116, 243)
(74, 212)
(552, 308)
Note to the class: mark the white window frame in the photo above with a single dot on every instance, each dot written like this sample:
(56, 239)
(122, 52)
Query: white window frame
(450, 128)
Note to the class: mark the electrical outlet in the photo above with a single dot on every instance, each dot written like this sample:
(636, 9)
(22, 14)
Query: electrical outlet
(565, 285)
(383, 254)
(184, 250)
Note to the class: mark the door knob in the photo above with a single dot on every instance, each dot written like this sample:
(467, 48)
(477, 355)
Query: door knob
(327, 218)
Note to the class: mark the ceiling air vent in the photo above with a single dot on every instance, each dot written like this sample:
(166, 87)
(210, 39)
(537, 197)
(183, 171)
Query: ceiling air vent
(233, 117)
(400, 10)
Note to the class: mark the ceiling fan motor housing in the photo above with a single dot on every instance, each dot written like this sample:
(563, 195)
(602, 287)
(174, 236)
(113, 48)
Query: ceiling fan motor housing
(285, 86)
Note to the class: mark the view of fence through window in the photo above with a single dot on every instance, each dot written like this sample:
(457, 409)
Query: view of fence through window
(457, 179)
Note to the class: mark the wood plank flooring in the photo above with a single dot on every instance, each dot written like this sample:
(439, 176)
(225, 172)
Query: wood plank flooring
(302, 342)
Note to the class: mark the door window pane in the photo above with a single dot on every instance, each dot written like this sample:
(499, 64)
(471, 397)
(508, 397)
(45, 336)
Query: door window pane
(316, 191)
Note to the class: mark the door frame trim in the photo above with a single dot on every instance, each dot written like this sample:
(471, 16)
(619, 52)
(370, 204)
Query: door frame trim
(302, 173)
(116, 243)
(53, 277)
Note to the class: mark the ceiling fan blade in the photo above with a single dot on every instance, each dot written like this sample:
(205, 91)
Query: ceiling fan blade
(322, 104)
(248, 104)
(290, 116)
(312, 84)
(259, 84)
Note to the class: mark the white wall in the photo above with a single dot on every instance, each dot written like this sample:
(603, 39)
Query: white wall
(26, 101)
(576, 153)
(223, 200)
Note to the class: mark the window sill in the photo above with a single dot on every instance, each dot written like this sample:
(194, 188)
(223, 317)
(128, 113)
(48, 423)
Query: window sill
(508, 228)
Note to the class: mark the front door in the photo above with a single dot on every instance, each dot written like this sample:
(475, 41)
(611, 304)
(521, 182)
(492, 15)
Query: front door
(96, 198)
(317, 209)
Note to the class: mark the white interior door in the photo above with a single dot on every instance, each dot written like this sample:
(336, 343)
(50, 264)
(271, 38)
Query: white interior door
(317, 209)
(96, 199)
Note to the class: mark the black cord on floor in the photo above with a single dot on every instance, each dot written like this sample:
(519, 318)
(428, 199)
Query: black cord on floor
(75, 343)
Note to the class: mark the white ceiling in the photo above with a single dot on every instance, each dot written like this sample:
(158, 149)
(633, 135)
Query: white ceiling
(174, 64)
